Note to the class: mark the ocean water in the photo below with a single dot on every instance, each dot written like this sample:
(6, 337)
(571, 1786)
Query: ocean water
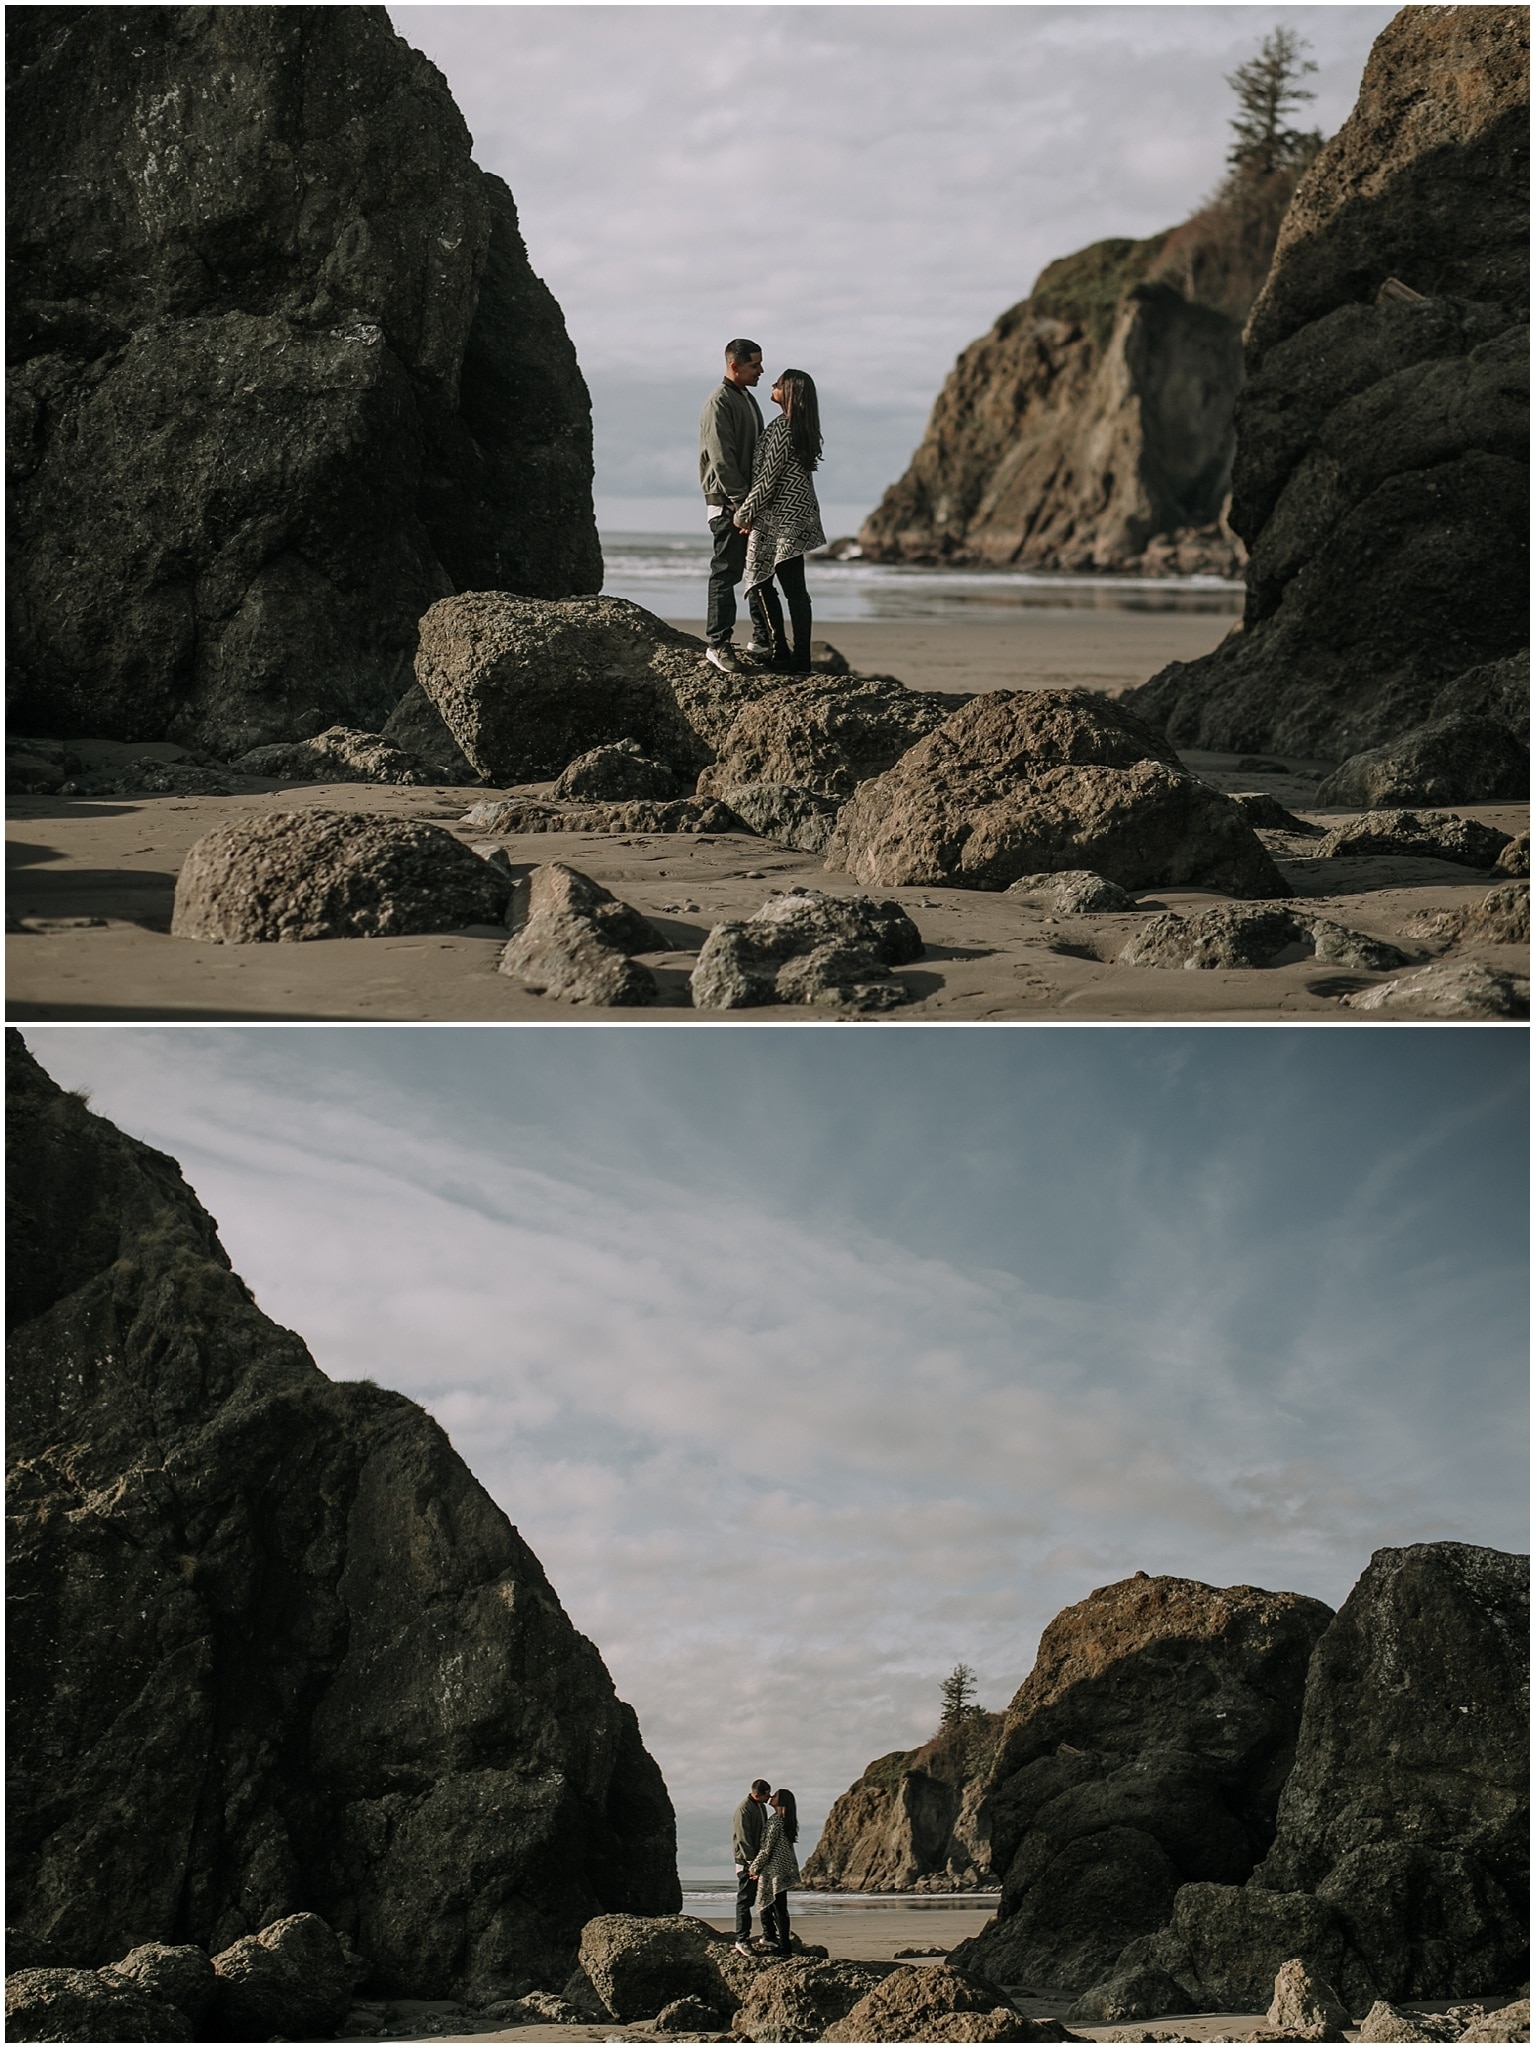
(668, 573)
(715, 1899)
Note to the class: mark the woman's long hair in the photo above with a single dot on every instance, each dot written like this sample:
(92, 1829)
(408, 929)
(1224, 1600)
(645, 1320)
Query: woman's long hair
(804, 417)
(790, 1814)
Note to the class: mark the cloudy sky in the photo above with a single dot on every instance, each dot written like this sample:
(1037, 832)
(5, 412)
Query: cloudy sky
(813, 1362)
(862, 189)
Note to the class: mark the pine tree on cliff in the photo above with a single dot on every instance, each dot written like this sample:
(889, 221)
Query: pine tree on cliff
(1267, 87)
(1225, 251)
(958, 1695)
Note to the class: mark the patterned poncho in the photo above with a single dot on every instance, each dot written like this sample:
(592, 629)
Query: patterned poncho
(773, 1865)
(780, 508)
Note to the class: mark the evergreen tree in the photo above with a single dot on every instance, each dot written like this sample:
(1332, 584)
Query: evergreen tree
(1267, 88)
(958, 1695)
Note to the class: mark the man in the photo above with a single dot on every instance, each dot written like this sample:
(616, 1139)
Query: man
(746, 1840)
(727, 440)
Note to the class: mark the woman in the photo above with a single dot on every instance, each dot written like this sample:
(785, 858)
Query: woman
(781, 515)
(774, 1866)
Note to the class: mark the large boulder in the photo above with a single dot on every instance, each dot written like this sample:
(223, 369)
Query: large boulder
(1463, 989)
(179, 1974)
(798, 2001)
(912, 1815)
(1461, 759)
(292, 1982)
(826, 735)
(1029, 782)
(1224, 1945)
(282, 375)
(1425, 835)
(526, 687)
(636, 1967)
(939, 2003)
(566, 956)
(87, 2005)
(339, 754)
(1381, 472)
(275, 1651)
(808, 947)
(1271, 936)
(290, 875)
(1146, 1750)
(615, 774)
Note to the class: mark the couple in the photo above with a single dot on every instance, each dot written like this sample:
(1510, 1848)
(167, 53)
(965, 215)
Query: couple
(766, 1829)
(762, 510)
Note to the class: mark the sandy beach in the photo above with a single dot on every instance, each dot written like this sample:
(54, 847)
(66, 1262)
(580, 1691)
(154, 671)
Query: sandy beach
(876, 1933)
(92, 880)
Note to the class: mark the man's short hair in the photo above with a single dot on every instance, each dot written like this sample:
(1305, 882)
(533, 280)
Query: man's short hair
(742, 352)
(759, 1785)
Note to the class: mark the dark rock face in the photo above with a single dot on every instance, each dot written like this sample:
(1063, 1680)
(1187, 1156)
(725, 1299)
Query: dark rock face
(1145, 1750)
(1033, 781)
(293, 875)
(912, 1815)
(1381, 473)
(281, 373)
(1056, 445)
(1400, 1864)
(274, 1651)
(1408, 1808)
(1454, 760)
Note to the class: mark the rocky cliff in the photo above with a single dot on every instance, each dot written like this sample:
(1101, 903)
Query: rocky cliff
(1090, 429)
(912, 1821)
(1400, 1863)
(272, 1649)
(280, 374)
(1381, 478)
(1146, 1750)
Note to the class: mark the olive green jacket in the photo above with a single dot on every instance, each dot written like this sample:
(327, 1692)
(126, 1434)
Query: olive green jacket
(727, 440)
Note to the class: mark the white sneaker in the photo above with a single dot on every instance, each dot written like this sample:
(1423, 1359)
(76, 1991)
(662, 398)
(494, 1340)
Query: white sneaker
(727, 659)
(742, 1949)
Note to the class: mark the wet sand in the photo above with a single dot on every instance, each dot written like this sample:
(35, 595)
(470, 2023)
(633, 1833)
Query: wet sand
(92, 879)
(1028, 648)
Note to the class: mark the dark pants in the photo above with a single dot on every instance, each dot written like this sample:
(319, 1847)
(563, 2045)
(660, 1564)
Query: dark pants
(746, 1898)
(775, 1922)
(726, 568)
(766, 609)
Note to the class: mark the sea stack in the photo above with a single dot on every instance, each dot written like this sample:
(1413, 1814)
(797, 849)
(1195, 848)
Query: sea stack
(281, 375)
(273, 1650)
(1147, 1749)
(1381, 478)
(1090, 429)
(912, 1821)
